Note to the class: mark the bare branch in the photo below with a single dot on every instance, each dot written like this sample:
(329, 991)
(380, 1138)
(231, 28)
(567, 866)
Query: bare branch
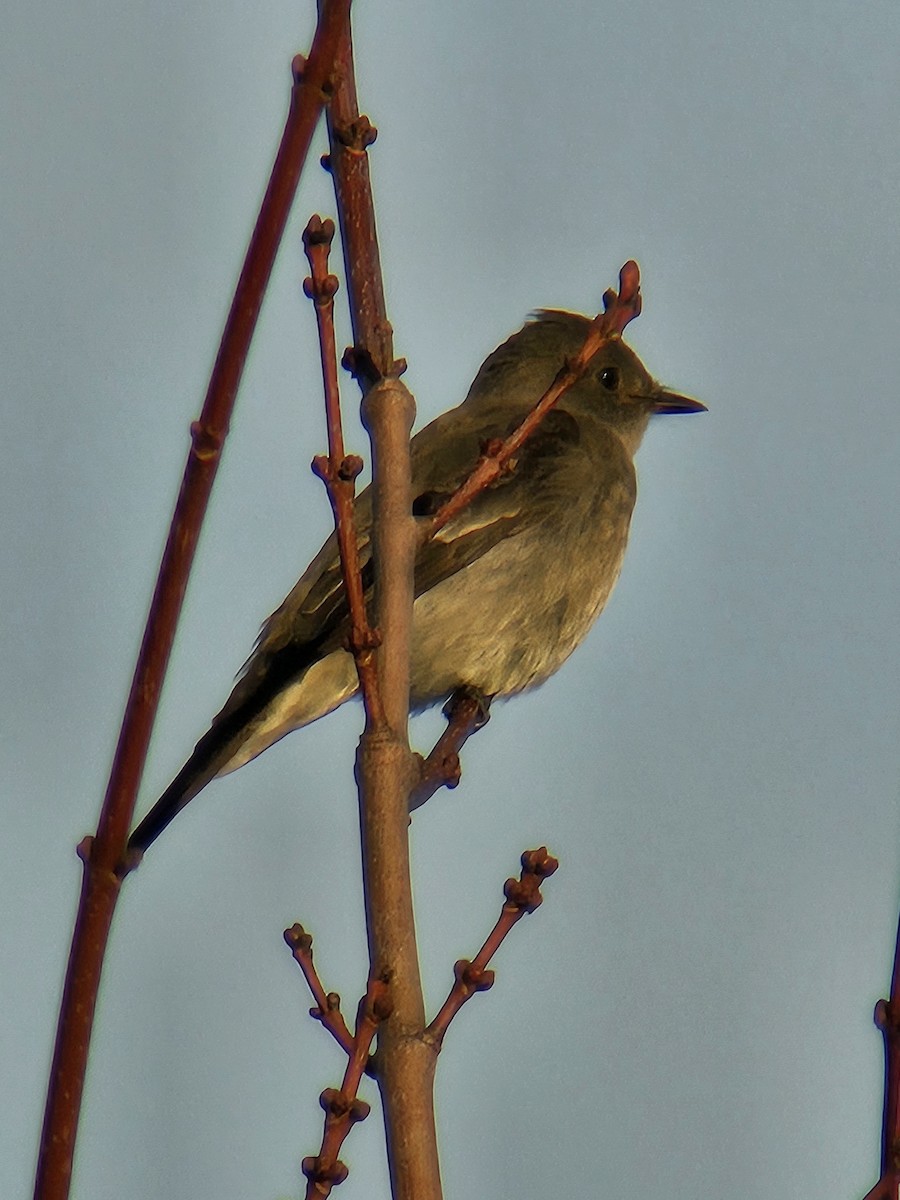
(523, 895)
(887, 1018)
(339, 471)
(349, 134)
(466, 712)
(328, 1006)
(342, 1107)
(618, 309)
(102, 856)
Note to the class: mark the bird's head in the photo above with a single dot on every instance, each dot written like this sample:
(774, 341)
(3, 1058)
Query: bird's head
(617, 388)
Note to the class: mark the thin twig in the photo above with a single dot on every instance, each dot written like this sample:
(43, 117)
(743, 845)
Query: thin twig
(342, 1106)
(523, 895)
(339, 471)
(102, 855)
(442, 768)
(466, 713)
(328, 1005)
(618, 309)
(887, 1018)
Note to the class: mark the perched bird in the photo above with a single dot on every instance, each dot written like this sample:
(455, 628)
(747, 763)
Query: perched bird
(504, 592)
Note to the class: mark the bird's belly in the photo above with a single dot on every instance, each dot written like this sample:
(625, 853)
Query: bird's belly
(501, 626)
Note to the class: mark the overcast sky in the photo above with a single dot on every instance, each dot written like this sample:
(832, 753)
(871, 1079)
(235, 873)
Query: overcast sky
(689, 1013)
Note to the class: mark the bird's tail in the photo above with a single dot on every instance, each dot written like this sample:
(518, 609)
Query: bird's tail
(210, 755)
(283, 693)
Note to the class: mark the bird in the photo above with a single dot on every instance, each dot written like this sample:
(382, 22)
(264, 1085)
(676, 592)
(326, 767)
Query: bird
(504, 592)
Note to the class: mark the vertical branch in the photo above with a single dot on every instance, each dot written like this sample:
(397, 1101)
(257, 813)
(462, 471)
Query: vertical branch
(887, 1018)
(349, 136)
(386, 770)
(101, 856)
(338, 470)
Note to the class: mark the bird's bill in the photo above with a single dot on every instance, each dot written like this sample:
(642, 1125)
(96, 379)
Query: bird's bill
(671, 402)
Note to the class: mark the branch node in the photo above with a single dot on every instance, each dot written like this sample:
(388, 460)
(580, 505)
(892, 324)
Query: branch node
(377, 1004)
(472, 977)
(357, 135)
(298, 939)
(205, 444)
(524, 893)
(323, 1172)
(350, 467)
(321, 466)
(467, 711)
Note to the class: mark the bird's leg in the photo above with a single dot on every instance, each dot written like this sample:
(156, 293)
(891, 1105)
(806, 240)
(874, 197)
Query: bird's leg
(466, 711)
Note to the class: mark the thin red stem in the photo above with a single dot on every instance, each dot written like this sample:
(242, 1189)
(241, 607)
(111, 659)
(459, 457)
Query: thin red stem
(339, 471)
(102, 856)
(327, 1007)
(619, 309)
(523, 895)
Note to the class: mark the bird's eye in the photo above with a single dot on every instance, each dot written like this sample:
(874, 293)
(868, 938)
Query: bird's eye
(609, 377)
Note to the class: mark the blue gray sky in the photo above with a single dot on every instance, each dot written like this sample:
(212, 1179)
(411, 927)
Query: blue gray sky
(689, 1014)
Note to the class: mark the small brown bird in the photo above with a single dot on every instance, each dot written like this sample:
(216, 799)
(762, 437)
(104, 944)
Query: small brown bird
(504, 592)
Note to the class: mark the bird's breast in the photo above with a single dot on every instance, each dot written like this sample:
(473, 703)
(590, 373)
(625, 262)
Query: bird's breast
(509, 620)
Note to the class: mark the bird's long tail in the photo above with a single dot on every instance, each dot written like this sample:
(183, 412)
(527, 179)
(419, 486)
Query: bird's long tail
(210, 755)
(288, 689)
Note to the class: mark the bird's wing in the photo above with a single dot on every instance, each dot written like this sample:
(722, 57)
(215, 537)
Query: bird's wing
(312, 621)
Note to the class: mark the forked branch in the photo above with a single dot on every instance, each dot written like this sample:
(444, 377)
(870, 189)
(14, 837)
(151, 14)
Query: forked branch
(342, 1106)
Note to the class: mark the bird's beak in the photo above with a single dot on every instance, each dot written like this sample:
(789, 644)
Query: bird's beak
(671, 402)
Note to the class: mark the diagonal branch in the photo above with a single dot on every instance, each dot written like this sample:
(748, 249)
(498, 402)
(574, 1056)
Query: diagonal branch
(342, 1106)
(339, 471)
(103, 869)
(618, 309)
(328, 1005)
(523, 895)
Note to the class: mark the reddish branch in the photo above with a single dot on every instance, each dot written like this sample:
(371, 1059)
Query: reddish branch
(328, 1006)
(618, 309)
(339, 471)
(466, 712)
(102, 855)
(342, 1107)
(887, 1018)
(523, 895)
(350, 135)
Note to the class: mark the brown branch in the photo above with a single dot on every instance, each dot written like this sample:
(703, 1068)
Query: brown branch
(342, 1107)
(442, 767)
(339, 471)
(887, 1018)
(386, 768)
(523, 895)
(886, 1188)
(328, 1006)
(349, 136)
(102, 855)
(466, 711)
(618, 309)
(386, 771)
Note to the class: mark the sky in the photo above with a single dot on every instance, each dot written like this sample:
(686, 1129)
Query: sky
(689, 1013)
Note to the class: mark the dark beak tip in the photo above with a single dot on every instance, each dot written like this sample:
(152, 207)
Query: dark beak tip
(670, 402)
